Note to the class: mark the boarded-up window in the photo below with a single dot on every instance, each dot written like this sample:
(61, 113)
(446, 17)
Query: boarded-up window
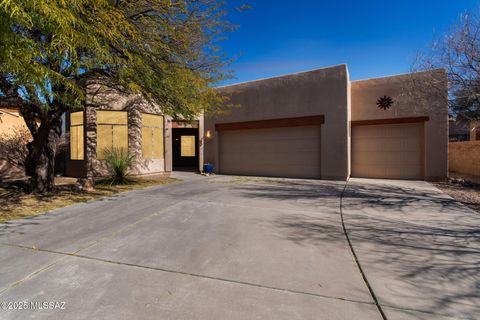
(112, 131)
(187, 146)
(76, 135)
(152, 136)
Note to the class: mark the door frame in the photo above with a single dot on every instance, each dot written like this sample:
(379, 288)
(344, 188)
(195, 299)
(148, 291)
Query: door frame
(176, 158)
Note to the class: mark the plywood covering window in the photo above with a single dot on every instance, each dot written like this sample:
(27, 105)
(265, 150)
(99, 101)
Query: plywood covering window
(152, 136)
(187, 148)
(76, 135)
(112, 131)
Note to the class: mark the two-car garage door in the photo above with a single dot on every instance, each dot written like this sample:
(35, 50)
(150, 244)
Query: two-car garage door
(394, 151)
(388, 151)
(278, 152)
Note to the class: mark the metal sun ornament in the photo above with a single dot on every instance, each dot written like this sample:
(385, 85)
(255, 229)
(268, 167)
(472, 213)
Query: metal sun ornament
(385, 102)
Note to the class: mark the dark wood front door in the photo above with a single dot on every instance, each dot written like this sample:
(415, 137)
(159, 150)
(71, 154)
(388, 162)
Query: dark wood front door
(185, 147)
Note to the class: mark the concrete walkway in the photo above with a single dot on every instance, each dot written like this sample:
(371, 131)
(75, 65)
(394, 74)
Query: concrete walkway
(246, 248)
(419, 249)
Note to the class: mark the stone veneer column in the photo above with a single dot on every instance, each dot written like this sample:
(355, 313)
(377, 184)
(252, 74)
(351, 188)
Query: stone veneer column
(135, 137)
(91, 137)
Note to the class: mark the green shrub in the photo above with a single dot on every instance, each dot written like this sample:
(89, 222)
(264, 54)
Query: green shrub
(119, 161)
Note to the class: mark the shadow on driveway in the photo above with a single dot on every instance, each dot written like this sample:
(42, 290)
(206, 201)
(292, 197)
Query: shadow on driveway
(419, 248)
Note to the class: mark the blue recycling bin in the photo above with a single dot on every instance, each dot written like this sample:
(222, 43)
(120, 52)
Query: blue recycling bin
(208, 168)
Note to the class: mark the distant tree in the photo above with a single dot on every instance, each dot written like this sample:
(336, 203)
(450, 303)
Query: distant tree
(163, 49)
(458, 52)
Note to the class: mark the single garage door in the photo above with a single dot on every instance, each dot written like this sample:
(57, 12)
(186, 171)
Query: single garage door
(393, 151)
(292, 152)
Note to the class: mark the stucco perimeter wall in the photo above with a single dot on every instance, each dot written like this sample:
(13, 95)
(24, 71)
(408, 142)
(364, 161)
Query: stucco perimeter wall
(464, 158)
(102, 97)
(415, 95)
(318, 92)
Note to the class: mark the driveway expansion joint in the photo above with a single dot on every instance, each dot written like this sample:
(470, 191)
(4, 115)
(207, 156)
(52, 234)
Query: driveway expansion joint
(179, 272)
(32, 274)
(364, 277)
(74, 253)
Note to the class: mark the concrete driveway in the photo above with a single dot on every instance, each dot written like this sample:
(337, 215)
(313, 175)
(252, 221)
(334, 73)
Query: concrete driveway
(231, 248)
(419, 249)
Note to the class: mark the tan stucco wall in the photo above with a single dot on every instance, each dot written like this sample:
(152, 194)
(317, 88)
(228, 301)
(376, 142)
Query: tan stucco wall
(414, 95)
(464, 158)
(168, 144)
(318, 92)
(201, 141)
(349, 128)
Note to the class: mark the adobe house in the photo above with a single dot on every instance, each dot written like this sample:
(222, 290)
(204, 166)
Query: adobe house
(114, 119)
(316, 124)
(459, 129)
(474, 130)
(12, 125)
(11, 120)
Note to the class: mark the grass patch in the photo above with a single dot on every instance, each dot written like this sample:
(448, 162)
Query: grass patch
(16, 203)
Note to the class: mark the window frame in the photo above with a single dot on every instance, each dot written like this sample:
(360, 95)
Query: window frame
(192, 143)
(152, 137)
(100, 156)
(82, 137)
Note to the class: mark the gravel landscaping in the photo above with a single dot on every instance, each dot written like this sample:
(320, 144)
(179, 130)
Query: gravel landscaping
(464, 192)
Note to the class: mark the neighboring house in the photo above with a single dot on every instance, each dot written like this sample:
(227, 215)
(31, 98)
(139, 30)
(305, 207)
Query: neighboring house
(458, 130)
(461, 129)
(13, 131)
(315, 124)
(11, 121)
(475, 130)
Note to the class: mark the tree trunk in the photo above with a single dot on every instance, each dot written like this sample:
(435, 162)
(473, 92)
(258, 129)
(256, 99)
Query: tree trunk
(40, 164)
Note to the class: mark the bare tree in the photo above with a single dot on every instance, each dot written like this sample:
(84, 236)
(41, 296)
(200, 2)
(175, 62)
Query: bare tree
(458, 53)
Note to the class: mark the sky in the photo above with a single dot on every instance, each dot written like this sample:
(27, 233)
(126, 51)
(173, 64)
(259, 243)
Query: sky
(374, 38)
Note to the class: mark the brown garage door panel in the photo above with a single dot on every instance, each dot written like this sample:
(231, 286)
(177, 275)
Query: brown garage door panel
(279, 152)
(388, 151)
